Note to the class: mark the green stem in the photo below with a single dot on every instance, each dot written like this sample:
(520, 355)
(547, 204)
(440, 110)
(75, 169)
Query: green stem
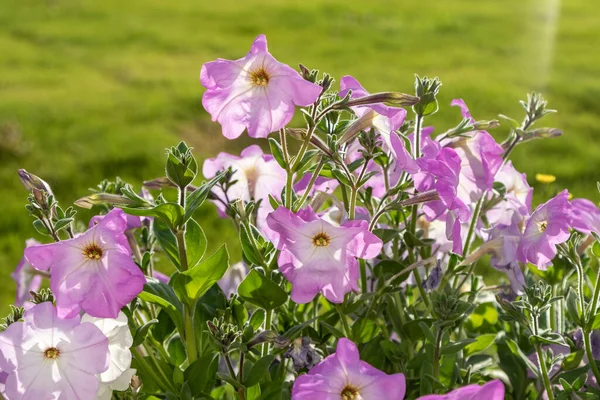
(541, 360)
(311, 183)
(436, 354)
(474, 220)
(269, 316)
(580, 284)
(594, 304)
(190, 337)
(544, 371)
(145, 367)
(347, 330)
(363, 275)
(590, 355)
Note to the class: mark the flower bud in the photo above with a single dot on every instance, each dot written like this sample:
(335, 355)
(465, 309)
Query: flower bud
(33, 182)
(392, 99)
(542, 133)
(181, 165)
(484, 125)
(269, 337)
(103, 198)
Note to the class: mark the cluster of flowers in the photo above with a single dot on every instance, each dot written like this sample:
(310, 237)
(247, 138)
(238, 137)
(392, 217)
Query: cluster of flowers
(79, 348)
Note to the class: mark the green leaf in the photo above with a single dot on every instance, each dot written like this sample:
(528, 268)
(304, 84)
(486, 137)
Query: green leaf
(169, 213)
(258, 371)
(167, 241)
(277, 152)
(594, 323)
(455, 347)
(198, 196)
(413, 330)
(62, 223)
(141, 332)
(257, 318)
(427, 332)
(161, 294)
(197, 280)
(249, 251)
(572, 360)
(482, 343)
(200, 375)
(596, 249)
(176, 350)
(261, 291)
(386, 235)
(364, 330)
(164, 327)
(514, 347)
(195, 242)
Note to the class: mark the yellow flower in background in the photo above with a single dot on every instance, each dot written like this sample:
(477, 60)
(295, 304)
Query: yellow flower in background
(545, 178)
(570, 196)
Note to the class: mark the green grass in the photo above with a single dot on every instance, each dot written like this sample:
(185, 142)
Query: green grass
(98, 89)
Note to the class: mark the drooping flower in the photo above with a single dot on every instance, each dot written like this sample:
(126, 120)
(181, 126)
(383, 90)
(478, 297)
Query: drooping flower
(586, 216)
(439, 169)
(317, 256)
(232, 278)
(517, 199)
(302, 353)
(118, 374)
(26, 277)
(481, 158)
(493, 390)
(342, 375)
(47, 357)
(93, 272)
(384, 119)
(256, 174)
(503, 241)
(255, 92)
(547, 227)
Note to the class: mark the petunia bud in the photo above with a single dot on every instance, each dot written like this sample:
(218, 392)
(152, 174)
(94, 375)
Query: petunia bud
(269, 337)
(164, 182)
(103, 198)
(181, 165)
(33, 182)
(392, 99)
(542, 133)
(484, 125)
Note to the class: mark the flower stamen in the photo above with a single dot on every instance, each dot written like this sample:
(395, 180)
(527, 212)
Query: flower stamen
(92, 252)
(350, 392)
(321, 240)
(259, 77)
(542, 226)
(51, 353)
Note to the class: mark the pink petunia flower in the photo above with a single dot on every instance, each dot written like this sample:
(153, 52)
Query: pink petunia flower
(517, 200)
(506, 240)
(317, 256)
(493, 390)
(342, 375)
(255, 92)
(133, 222)
(47, 357)
(586, 216)
(93, 272)
(26, 277)
(257, 175)
(481, 158)
(383, 118)
(547, 227)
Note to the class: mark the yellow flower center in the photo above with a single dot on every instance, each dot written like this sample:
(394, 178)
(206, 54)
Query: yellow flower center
(350, 392)
(542, 226)
(51, 353)
(92, 252)
(259, 77)
(321, 240)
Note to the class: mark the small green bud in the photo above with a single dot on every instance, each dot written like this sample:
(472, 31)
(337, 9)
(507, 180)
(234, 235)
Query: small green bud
(181, 165)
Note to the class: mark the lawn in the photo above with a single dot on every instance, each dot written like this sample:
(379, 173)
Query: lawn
(99, 89)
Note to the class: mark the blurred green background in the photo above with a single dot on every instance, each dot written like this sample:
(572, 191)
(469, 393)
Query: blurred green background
(99, 89)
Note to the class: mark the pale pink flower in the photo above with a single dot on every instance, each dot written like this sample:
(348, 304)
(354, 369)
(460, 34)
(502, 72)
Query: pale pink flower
(343, 375)
(547, 227)
(256, 92)
(493, 390)
(257, 176)
(317, 256)
(93, 272)
(26, 277)
(47, 357)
